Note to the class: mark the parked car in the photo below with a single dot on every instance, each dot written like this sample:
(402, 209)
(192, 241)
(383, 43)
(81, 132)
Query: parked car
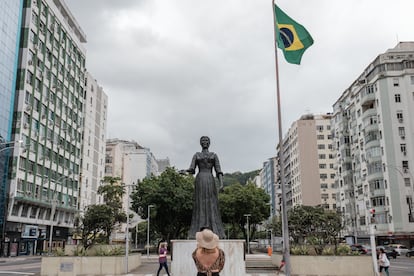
(400, 248)
(391, 253)
(362, 249)
(410, 253)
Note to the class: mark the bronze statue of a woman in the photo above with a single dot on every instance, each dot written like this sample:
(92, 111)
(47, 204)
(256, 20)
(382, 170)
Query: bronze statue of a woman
(206, 212)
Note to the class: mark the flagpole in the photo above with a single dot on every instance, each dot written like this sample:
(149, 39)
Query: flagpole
(285, 228)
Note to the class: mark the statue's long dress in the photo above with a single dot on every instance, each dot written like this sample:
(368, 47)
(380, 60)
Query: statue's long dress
(206, 212)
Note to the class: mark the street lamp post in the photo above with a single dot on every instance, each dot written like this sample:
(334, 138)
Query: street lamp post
(148, 230)
(54, 202)
(127, 230)
(52, 216)
(248, 233)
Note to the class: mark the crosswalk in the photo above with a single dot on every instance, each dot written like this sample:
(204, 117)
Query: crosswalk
(255, 274)
(248, 274)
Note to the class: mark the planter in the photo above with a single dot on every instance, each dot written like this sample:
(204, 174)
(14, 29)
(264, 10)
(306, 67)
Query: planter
(328, 265)
(97, 265)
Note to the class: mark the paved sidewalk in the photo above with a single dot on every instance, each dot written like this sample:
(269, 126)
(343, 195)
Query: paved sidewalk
(150, 266)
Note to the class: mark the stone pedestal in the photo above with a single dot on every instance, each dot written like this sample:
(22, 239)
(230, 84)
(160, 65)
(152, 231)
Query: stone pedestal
(182, 262)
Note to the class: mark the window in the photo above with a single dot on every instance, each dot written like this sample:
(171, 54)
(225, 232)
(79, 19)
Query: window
(321, 146)
(378, 201)
(407, 182)
(412, 79)
(324, 186)
(322, 166)
(403, 148)
(320, 137)
(405, 165)
(396, 82)
(319, 128)
(401, 132)
(322, 156)
(323, 176)
(397, 98)
(400, 116)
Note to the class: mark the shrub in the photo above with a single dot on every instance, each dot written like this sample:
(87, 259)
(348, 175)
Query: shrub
(343, 249)
(328, 251)
(299, 250)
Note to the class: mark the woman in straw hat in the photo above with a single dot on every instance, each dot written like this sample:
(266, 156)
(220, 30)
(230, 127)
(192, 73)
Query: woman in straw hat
(208, 258)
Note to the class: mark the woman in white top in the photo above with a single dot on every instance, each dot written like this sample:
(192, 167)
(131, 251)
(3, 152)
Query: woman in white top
(383, 261)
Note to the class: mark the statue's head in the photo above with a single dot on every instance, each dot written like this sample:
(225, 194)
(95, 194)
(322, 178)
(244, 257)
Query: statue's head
(204, 142)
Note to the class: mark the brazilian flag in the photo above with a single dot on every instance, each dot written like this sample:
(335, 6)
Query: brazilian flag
(292, 38)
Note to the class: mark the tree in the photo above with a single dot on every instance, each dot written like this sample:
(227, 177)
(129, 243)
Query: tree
(171, 195)
(112, 193)
(236, 201)
(96, 224)
(315, 226)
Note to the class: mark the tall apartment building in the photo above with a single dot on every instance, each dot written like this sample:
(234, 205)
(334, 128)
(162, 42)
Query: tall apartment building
(48, 116)
(309, 163)
(94, 143)
(373, 124)
(10, 18)
(131, 163)
(268, 181)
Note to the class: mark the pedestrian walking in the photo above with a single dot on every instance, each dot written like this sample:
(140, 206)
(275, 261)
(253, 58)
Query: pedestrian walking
(383, 262)
(162, 258)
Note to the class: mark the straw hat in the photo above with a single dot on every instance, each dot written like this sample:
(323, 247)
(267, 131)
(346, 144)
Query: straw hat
(207, 239)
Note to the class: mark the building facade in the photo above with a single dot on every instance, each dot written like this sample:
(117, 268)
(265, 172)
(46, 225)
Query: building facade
(10, 20)
(268, 183)
(48, 117)
(373, 127)
(130, 162)
(94, 143)
(309, 163)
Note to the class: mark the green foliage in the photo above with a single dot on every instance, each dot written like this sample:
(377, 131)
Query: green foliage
(97, 223)
(276, 225)
(236, 201)
(59, 252)
(79, 251)
(114, 251)
(238, 177)
(171, 195)
(343, 249)
(328, 251)
(300, 250)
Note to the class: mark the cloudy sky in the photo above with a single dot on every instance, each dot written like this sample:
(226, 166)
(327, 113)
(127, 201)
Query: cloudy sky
(175, 70)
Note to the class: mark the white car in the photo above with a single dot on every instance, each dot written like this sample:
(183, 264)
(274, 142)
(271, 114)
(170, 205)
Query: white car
(400, 248)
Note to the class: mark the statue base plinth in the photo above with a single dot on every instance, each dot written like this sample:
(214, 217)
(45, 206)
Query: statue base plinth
(182, 262)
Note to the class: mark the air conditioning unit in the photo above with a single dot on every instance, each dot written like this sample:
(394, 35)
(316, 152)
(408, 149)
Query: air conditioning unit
(43, 116)
(402, 136)
(400, 120)
(28, 108)
(30, 62)
(26, 125)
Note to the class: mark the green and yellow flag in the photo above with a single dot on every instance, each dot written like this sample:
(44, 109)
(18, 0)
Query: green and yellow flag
(292, 38)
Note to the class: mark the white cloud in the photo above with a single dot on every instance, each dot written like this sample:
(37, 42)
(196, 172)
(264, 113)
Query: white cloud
(177, 70)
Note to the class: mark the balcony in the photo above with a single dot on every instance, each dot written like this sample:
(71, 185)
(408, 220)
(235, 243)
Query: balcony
(367, 98)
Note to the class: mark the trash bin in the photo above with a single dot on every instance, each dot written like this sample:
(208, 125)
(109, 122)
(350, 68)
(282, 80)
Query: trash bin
(269, 250)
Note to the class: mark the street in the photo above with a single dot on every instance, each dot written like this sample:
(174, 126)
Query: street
(402, 266)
